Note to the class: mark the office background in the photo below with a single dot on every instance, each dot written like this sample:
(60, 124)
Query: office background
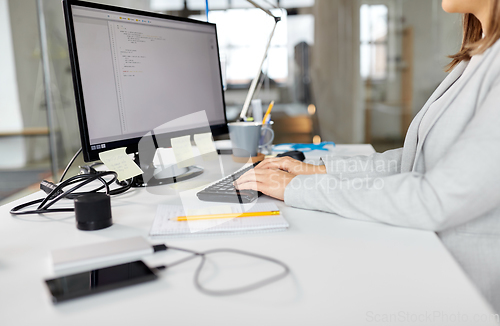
(349, 71)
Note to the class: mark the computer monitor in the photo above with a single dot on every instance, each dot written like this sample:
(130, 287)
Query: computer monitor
(134, 71)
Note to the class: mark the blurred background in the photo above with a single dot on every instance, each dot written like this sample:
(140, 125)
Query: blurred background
(348, 71)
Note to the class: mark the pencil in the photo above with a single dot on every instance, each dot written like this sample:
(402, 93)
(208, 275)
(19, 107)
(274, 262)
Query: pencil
(229, 215)
(268, 112)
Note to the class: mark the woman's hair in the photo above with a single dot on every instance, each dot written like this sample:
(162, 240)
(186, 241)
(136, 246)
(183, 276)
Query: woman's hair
(473, 42)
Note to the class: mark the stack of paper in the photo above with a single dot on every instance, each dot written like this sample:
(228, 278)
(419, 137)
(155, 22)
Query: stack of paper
(166, 224)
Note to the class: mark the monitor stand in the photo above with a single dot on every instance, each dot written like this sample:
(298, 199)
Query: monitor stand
(154, 176)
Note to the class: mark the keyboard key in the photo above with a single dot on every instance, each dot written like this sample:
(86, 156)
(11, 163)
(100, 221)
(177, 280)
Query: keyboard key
(224, 190)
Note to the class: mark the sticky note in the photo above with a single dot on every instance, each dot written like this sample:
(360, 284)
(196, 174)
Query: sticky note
(206, 146)
(183, 151)
(117, 160)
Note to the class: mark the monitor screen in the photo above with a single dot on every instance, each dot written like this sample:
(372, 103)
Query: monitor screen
(135, 71)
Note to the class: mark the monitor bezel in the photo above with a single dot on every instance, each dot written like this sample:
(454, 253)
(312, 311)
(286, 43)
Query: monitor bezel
(131, 144)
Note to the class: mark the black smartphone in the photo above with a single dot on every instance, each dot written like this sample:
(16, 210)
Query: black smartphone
(99, 280)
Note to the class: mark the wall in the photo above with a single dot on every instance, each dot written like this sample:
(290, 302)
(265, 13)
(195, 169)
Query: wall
(26, 44)
(437, 34)
(386, 116)
(335, 60)
(335, 67)
(11, 148)
(24, 97)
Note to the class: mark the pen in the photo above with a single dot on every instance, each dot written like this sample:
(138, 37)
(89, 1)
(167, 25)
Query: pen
(268, 112)
(229, 215)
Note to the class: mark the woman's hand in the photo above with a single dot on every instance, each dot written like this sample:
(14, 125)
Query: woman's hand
(290, 165)
(271, 182)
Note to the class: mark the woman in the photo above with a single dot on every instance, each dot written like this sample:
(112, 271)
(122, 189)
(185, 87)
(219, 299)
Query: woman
(446, 178)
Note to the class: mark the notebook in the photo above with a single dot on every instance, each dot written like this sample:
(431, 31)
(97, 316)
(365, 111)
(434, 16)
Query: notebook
(165, 223)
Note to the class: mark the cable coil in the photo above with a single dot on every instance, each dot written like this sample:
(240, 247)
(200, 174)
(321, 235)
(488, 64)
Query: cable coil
(58, 193)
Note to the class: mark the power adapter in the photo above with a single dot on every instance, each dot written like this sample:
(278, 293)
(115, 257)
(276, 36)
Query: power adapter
(101, 254)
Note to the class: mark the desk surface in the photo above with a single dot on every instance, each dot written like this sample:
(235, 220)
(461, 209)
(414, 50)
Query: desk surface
(343, 272)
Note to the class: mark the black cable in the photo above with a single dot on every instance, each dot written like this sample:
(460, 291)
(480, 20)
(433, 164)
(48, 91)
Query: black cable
(194, 254)
(69, 164)
(57, 193)
(183, 260)
(182, 249)
(242, 289)
(83, 183)
(251, 287)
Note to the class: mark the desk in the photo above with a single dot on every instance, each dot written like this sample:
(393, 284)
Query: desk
(343, 272)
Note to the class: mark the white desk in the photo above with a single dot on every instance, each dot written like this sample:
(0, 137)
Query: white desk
(343, 272)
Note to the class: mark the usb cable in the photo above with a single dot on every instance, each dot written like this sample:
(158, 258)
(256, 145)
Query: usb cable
(203, 256)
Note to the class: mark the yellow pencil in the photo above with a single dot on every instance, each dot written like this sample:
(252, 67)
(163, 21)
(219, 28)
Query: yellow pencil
(229, 215)
(268, 112)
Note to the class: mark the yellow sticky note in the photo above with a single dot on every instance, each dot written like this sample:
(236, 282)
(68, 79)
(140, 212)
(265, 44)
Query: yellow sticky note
(117, 160)
(206, 146)
(183, 151)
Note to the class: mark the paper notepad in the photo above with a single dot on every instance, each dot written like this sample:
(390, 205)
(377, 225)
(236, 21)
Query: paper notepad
(165, 223)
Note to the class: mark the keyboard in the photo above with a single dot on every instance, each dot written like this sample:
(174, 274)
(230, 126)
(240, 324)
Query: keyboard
(224, 191)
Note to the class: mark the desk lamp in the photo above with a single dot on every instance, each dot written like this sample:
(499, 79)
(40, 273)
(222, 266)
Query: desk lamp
(253, 85)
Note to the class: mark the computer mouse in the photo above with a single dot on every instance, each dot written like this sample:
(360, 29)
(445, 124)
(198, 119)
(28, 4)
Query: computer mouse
(298, 155)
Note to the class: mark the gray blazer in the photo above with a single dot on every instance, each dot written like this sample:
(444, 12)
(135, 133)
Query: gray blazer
(447, 182)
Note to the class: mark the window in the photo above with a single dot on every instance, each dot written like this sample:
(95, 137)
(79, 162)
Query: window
(243, 36)
(160, 5)
(224, 4)
(374, 41)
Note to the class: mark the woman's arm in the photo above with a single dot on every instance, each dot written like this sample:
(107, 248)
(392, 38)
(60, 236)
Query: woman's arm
(377, 164)
(463, 185)
(290, 165)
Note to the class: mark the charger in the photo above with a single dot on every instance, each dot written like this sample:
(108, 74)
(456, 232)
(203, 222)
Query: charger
(101, 254)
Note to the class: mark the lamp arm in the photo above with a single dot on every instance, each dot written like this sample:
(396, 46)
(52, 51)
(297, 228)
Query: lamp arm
(256, 5)
(251, 91)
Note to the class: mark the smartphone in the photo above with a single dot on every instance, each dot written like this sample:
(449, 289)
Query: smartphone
(99, 280)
